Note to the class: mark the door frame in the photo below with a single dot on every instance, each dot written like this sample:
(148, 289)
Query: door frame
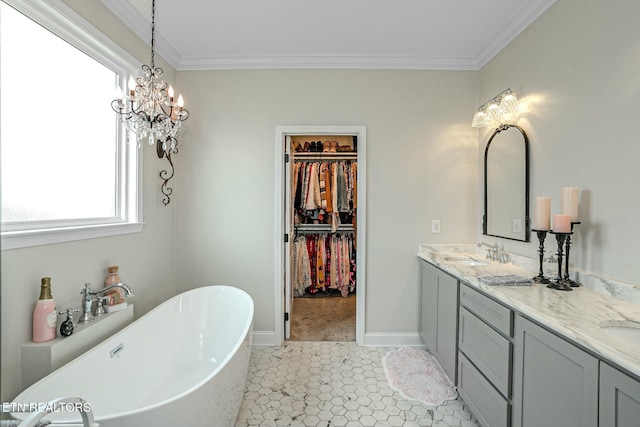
(281, 248)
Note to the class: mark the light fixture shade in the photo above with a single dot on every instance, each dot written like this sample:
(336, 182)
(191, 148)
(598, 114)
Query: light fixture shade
(508, 107)
(509, 102)
(479, 119)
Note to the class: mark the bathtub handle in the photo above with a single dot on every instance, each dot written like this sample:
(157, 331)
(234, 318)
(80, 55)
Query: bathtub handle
(86, 315)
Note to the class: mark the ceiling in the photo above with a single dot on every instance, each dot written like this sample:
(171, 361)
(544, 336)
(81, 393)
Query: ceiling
(377, 34)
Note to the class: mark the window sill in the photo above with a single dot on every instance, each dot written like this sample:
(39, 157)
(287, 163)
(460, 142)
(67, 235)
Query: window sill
(24, 239)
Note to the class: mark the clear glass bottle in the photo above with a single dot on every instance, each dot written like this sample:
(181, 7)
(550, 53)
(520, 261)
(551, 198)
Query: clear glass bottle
(115, 296)
(45, 317)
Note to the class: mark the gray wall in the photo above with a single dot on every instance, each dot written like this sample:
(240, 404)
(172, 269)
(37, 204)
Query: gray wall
(421, 165)
(579, 66)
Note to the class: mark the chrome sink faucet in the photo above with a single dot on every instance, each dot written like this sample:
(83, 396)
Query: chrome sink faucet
(87, 299)
(491, 252)
(494, 253)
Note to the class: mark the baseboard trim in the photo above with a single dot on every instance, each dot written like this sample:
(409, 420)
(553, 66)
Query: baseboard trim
(371, 339)
(263, 338)
(392, 339)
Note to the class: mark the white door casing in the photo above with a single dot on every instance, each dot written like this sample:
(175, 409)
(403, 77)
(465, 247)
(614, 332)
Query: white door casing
(282, 279)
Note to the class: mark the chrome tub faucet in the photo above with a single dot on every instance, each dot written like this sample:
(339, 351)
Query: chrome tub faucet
(87, 299)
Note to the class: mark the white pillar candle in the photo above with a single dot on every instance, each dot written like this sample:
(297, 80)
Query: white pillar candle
(569, 202)
(562, 223)
(542, 216)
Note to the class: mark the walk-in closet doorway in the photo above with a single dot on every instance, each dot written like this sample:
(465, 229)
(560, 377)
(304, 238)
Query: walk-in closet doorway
(330, 228)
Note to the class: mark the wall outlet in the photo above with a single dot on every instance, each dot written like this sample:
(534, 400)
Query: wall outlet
(516, 226)
(435, 226)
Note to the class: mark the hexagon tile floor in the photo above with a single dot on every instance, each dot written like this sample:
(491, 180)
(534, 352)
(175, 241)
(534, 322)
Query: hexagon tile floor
(333, 384)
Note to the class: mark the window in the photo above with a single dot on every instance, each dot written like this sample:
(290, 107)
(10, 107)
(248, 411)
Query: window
(67, 172)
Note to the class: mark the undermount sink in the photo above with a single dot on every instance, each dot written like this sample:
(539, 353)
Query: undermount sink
(467, 261)
(622, 330)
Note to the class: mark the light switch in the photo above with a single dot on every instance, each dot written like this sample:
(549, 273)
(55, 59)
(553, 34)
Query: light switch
(435, 226)
(516, 226)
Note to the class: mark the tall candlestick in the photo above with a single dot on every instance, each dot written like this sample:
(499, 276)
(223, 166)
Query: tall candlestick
(569, 202)
(559, 283)
(542, 218)
(562, 223)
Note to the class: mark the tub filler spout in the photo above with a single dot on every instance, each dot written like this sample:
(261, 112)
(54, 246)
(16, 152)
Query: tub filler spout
(87, 299)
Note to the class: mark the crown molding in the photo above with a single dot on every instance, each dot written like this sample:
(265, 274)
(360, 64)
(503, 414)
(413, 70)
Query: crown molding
(238, 62)
(527, 15)
(141, 26)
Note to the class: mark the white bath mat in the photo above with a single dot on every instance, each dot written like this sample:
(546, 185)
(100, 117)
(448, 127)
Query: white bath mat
(416, 375)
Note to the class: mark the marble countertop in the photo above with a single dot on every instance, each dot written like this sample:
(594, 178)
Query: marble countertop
(576, 315)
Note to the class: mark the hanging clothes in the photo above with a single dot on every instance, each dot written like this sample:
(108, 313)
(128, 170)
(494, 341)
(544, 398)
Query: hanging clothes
(325, 192)
(322, 262)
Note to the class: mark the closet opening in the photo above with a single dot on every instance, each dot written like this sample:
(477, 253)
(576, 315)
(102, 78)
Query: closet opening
(323, 208)
(324, 233)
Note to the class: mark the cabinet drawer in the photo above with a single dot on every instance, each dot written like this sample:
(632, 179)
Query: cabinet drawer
(493, 313)
(487, 349)
(487, 405)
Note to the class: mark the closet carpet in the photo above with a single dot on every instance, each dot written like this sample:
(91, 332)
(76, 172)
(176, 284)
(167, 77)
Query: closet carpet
(331, 318)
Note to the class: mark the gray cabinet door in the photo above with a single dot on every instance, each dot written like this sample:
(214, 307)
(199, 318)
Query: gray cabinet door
(439, 316)
(428, 305)
(447, 327)
(555, 383)
(619, 398)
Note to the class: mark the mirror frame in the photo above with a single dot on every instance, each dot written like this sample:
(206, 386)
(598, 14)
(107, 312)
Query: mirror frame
(527, 224)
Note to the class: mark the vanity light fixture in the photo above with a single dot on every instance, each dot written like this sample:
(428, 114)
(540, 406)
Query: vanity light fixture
(500, 109)
(151, 112)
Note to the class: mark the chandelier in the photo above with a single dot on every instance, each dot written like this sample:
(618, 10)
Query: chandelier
(501, 109)
(151, 112)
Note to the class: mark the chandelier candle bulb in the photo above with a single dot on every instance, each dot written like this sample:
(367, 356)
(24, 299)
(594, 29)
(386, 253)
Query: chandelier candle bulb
(132, 87)
(542, 213)
(562, 223)
(569, 202)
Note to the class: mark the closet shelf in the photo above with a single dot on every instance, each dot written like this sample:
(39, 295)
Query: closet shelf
(344, 155)
(310, 228)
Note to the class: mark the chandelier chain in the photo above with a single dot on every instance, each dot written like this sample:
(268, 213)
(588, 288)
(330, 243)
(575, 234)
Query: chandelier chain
(153, 33)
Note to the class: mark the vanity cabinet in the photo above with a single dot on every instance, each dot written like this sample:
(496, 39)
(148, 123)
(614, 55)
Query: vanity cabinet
(555, 382)
(439, 316)
(513, 371)
(619, 398)
(485, 354)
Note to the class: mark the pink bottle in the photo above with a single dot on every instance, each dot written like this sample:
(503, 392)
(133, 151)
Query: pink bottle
(116, 296)
(45, 317)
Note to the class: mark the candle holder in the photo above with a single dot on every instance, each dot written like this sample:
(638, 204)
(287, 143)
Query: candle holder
(566, 277)
(540, 278)
(559, 283)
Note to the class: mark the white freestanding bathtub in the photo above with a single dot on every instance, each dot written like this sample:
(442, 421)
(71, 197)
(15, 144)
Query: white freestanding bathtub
(183, 364)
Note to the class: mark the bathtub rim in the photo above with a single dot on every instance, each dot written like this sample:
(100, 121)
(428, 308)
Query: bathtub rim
(244, 336)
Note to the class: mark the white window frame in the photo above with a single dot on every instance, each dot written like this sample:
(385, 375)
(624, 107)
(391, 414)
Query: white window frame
(60, 19)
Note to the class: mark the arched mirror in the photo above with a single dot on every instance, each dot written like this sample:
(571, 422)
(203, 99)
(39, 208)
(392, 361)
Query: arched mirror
(506, 184)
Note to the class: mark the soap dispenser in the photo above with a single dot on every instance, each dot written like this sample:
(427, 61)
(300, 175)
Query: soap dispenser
(45, 316)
